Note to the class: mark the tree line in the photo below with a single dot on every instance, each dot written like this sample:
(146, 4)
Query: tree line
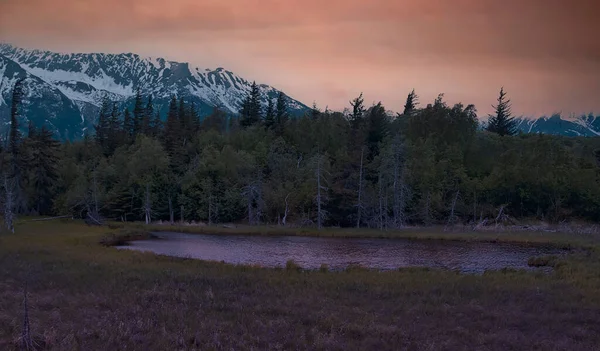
(362, 168)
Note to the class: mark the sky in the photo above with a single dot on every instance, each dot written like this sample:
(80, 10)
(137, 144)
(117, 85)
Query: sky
(545, 53)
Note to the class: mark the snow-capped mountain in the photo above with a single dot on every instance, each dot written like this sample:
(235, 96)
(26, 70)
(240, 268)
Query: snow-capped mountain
(65, 90)
(586, 125)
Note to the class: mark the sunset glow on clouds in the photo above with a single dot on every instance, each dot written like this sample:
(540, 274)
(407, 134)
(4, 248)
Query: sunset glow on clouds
(545, 53)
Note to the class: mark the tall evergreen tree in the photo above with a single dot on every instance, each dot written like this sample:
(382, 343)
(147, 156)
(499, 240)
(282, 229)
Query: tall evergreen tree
(103, 125)
(194, 117)
(157, 125)
(281, 112)
(250, 113)
(358, 110)
(502, 122)
(14, 134)
(138, 114)
(411, 103)
(270, 115)
(172, 127)
(148, 116)
(127, 127)
(42, 169)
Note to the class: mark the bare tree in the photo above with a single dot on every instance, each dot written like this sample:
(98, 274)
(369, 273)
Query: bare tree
(253, 194)
(147, 204)
(171, 211)
(322, 189)
(285, 213)
(26, 339)
(452, 218)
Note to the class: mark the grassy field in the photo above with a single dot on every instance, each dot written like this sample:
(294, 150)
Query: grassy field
(85, 296)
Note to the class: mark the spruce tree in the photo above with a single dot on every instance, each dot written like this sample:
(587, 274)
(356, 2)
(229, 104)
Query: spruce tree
(127, 127)
(103, 125)
(502, 122)
(270, 115)
(114, 134)
(411, 103)
(358, 110)
(42, 168)
(172, 127)
(14, 134)
(148, 116)
(255, 108)
(250, 112)
(157, 125)
(138, 114)
(245, 120)
(194, 117)
(281, 113)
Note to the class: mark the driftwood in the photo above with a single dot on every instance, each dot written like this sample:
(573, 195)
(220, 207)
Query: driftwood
(50, 218)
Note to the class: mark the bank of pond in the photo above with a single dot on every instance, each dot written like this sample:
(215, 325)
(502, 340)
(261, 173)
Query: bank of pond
(471, 257)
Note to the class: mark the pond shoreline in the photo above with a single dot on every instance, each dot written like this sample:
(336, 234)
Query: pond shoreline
(566, 241)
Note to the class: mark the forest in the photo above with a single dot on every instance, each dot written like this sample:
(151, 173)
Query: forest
(431, 164)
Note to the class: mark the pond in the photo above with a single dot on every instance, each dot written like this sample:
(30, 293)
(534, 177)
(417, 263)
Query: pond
(339, 253)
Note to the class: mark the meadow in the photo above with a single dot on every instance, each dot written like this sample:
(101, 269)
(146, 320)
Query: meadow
(85, 295)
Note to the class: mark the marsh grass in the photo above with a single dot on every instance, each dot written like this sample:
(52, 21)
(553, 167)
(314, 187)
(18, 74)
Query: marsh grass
(560, 237)
(82, 295)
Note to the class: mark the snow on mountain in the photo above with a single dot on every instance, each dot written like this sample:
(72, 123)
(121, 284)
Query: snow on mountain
(588, 126)
(43, 104)
(85, 79)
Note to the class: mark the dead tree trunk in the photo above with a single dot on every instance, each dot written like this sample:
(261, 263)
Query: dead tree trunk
(171, 212)
(451, 218)
(147, 205)
(285, 213)
(26, 340)
(360, 179)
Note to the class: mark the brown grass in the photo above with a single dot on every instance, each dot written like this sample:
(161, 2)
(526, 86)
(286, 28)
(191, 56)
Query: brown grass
(86, 296)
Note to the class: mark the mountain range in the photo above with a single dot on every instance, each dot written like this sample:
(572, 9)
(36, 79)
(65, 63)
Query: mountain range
(65, 91)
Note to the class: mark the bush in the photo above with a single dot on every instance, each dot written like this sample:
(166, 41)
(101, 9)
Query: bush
(123, 237)
(290, 265)
(542, 261)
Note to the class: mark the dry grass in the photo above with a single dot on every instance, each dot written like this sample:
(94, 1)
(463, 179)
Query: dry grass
(86, 296)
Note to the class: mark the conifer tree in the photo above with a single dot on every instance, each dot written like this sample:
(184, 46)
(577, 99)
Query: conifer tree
(411, 103)
(250, 113)
(157, 125)
(138, 114)
(42, 169)
(358, 110)
(103, 125)
(148, 116)
(281, 113)
(14, 134)
(270, 115)
(127, 127)
(172, 127)
(502, 122)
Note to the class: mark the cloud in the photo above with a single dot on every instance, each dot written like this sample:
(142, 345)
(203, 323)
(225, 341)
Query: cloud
(542, 49)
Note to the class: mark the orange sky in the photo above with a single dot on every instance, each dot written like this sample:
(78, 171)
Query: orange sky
(546, 53)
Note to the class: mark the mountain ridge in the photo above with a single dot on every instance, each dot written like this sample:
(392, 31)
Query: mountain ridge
(86, 78)
(65, 90)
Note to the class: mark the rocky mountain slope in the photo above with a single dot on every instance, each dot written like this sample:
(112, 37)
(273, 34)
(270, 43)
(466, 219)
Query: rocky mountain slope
(64, 91)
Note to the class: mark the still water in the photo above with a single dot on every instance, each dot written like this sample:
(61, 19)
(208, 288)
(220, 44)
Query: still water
(339, 253)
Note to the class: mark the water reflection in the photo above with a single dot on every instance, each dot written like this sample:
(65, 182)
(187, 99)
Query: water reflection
(337, 253)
